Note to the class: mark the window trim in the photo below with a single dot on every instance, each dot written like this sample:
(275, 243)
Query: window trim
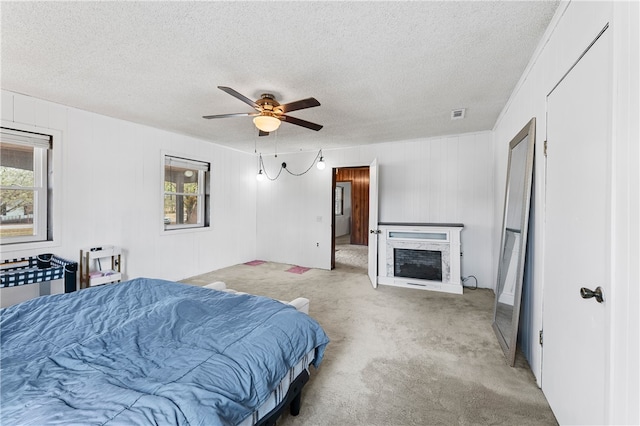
(204, 191)
(54, 190)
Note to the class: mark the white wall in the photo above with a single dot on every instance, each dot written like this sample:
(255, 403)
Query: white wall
(109, 193)
(446, 179)
(625, 315)
(294, 212)
(566, 38)
(573, 28)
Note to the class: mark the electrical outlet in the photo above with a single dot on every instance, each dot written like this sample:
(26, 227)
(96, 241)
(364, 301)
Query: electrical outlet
(317, 244)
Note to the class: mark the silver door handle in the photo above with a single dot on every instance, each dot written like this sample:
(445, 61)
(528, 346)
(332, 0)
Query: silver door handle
(375, 231)
(585, 293)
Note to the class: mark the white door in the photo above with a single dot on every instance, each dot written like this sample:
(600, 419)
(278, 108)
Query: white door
(577, 239)
(373, 223)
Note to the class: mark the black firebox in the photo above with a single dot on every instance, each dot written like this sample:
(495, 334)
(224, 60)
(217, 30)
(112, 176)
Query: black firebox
(418, 264)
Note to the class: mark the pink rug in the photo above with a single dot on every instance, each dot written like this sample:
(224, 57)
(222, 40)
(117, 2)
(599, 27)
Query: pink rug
(297, 269)
(255, 262)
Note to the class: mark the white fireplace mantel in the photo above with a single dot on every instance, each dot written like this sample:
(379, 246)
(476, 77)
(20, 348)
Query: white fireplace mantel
(433, 237)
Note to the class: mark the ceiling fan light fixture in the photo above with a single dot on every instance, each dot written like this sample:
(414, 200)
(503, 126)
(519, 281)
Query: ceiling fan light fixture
(266, 123)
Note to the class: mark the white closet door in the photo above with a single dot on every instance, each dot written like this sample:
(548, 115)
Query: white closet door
(577, 239)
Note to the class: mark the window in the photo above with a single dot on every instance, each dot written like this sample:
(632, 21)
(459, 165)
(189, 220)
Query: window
(25, 187)
(339, 200)
(186, 193)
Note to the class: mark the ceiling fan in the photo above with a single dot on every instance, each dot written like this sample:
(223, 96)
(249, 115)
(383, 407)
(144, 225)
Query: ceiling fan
(269, 112)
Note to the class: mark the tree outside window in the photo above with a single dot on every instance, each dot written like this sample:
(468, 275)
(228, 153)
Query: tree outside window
(24, 187)
(185, 193)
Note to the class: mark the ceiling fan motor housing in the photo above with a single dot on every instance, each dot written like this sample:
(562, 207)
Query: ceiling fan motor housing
(268, 104)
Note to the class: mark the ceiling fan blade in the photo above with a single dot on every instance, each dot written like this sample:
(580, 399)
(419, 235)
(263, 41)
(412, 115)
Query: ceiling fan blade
(261, 133)
(301, 104)
(299, 122)
(237, 95)
(239, 114)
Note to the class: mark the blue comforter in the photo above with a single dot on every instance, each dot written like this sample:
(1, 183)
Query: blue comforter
(147, 352)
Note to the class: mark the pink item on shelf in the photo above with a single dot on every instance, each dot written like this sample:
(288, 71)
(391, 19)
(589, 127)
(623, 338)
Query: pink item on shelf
(255, 262)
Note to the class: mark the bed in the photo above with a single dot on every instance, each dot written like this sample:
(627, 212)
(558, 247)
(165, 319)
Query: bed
(150, 351)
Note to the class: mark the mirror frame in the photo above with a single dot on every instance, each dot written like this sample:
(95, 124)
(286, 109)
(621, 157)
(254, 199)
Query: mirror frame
(509, 347)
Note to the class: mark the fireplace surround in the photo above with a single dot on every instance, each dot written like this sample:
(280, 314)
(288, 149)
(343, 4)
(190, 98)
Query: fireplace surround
(424, 256)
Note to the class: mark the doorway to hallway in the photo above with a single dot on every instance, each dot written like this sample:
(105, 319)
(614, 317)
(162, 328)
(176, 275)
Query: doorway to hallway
(350, 221)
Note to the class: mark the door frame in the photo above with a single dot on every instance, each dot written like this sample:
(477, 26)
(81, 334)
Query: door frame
(333, 206)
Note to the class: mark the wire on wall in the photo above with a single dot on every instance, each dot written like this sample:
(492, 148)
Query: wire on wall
(263, 171)
(465, 279)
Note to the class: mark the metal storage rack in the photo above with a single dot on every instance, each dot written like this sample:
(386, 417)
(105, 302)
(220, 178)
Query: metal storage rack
(38, 269)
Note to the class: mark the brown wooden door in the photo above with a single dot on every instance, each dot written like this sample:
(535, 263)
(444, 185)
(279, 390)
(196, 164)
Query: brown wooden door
(359, 178)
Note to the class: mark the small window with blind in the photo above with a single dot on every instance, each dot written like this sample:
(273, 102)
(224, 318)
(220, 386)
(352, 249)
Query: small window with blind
(25, 187)
(186, 193)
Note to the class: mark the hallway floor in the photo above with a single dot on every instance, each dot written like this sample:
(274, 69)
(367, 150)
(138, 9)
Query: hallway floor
(351, 256)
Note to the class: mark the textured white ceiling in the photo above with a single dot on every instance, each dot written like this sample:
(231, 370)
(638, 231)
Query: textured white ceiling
(383, 71)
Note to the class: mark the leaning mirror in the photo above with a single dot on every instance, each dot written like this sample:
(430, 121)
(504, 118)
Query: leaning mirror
(513, 243)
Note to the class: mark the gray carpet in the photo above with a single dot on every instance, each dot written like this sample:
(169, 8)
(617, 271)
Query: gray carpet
(351, 257)
(398, 356)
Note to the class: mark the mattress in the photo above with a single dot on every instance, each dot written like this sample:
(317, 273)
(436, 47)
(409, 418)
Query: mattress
(150, 351)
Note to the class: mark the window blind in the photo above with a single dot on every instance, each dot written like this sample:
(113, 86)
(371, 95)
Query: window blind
(25, 138)
(185, 163)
